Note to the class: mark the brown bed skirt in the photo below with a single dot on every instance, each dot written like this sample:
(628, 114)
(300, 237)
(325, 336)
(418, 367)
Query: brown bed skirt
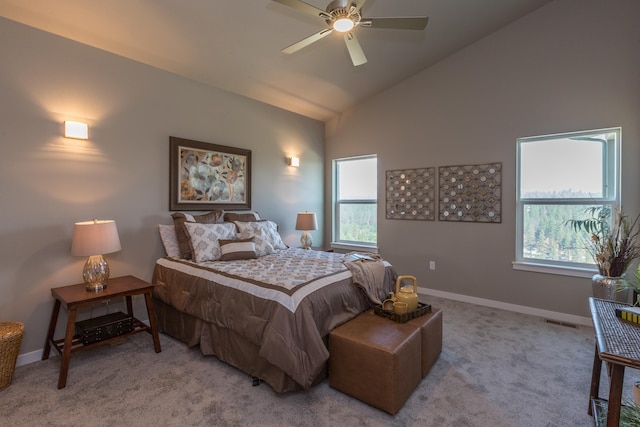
(218, 341)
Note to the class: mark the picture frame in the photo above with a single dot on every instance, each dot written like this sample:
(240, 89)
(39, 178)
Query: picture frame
(205, 176)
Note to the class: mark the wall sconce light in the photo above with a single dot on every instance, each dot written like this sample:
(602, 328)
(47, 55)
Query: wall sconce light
(294, 162)
(76, 130)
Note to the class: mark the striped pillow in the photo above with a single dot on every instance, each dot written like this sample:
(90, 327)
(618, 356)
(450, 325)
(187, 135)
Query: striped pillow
(237, 249)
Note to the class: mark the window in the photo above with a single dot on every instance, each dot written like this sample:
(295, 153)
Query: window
(559, 177)
(355, 198)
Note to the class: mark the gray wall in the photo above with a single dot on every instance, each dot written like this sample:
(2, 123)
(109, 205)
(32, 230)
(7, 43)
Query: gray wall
(48, 182)
(571, 65)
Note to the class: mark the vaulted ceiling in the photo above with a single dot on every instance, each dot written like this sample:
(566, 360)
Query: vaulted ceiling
(236, 45)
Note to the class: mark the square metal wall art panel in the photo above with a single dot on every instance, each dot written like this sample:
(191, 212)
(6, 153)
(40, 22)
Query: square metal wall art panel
(411, 194)
(471, 193)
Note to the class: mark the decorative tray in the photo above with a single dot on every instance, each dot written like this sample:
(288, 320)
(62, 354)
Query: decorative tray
(402, 318)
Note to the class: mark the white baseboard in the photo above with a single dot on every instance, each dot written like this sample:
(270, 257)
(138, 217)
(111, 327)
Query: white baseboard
(34, 356)
(551, 315)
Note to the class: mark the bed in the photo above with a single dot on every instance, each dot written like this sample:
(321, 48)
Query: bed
(269, 316)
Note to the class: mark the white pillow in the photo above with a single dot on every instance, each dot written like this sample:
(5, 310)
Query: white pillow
(268, 231)
(204, 239)
(169, 240)
(261, 241)
(277, 240)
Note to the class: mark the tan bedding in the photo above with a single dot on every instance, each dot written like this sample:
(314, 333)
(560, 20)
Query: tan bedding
(268, 316)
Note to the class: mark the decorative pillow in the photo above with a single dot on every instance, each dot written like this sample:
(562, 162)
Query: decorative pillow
(169, 240)
(269, 232)
(179, 219)
(279, 244)
(261, 241)
(204, 239)
(244, 217)
(232, 250)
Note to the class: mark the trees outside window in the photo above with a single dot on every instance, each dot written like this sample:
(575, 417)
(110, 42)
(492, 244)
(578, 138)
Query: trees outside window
(356, 201)
(559, 177)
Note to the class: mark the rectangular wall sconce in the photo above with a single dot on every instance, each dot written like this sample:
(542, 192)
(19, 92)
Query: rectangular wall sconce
(294, 161)
(77, 130)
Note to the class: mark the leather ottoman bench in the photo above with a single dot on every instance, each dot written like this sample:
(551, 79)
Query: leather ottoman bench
(375, 360)
(430, 325)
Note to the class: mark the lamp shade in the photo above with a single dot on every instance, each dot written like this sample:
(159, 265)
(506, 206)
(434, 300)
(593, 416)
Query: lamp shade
(97, 237)
(306, 221)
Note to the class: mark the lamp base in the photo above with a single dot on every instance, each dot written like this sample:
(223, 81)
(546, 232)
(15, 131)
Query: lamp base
(96, 273)
(305, 240)
(96, 287)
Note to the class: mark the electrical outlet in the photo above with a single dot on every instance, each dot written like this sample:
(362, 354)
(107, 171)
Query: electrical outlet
(432, 265)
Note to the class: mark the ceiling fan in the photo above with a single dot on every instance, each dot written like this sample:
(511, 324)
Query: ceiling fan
(344, 16)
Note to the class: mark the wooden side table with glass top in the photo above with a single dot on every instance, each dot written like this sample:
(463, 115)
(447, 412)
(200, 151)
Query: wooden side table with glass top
(76, 296)
(617, 344)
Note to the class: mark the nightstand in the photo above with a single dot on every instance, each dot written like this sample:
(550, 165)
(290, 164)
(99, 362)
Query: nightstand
(76, 296)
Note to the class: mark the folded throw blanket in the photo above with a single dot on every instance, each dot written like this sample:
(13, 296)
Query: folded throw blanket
(368, 274)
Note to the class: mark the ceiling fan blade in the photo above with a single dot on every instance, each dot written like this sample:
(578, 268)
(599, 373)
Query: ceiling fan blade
(304, 7)
(412, 23)
(306, 42)
(355, 50)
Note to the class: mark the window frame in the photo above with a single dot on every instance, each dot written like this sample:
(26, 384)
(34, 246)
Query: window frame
(611, 197)
(336, 202)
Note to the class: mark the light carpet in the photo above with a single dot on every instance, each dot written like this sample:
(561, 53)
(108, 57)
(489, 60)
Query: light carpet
(497, 368)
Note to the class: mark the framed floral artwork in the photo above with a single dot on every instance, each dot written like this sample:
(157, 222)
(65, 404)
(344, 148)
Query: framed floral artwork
(206, 176)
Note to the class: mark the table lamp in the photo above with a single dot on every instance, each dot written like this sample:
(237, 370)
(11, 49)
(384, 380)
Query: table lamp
(306, 221)
(94, 239)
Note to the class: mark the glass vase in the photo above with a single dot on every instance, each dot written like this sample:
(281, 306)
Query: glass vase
(611, 288)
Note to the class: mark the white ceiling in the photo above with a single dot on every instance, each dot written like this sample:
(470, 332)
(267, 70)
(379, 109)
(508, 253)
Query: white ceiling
(236, 45)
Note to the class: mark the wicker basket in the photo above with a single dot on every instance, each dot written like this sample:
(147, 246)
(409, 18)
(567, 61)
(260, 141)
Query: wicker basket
(11, 334)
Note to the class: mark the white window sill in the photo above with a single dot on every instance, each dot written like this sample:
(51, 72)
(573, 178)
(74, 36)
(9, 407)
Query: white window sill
(354, 247)
(554, 269)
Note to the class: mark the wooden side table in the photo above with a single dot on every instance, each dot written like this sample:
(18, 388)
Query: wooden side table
(617, 344)
(76, 296)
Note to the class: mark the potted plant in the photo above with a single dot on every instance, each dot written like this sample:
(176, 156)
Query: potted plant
(613, 245)
(629, 415)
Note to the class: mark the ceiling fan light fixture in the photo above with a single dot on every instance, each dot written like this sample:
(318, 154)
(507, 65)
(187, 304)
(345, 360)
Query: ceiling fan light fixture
(343, 25)
(344, 16)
